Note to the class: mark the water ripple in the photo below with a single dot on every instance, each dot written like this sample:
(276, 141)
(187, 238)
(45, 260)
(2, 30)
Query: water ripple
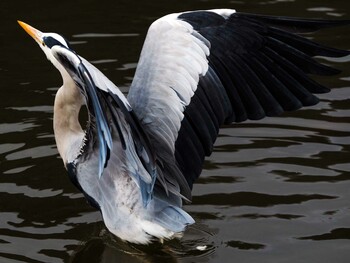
(16, 127)
(12, 188)
(339, 233)
(35, 152)
(43, 108)
(244, 245)
(257, 199)
(9, 147)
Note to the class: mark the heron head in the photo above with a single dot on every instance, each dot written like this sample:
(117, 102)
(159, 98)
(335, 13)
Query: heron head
(46, 42)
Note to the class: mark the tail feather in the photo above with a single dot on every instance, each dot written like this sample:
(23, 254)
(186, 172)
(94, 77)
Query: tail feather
(171, 217)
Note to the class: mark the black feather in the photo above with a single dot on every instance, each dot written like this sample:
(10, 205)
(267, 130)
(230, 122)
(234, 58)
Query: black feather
(258, 67)
(292, 24)
(299, 59)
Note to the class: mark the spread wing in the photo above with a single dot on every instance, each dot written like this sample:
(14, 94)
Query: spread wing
(199, 70)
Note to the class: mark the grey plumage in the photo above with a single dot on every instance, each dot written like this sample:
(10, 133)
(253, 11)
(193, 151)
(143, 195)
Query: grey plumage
(139, 156)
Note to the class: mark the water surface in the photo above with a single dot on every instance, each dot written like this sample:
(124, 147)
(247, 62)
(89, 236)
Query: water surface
(276, 190)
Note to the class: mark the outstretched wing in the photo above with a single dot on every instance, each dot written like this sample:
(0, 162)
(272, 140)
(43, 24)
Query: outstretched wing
(201, 69)
(111, 122)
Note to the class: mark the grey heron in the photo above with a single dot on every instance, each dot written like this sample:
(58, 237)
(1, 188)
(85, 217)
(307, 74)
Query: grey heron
(138, 157)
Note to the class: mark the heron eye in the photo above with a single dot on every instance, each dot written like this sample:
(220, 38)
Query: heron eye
(43, 43)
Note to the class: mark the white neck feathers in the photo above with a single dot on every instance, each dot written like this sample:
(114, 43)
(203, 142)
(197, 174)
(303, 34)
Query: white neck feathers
(68, 132)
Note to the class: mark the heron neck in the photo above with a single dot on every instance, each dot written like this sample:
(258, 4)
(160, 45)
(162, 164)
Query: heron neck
(67, 129)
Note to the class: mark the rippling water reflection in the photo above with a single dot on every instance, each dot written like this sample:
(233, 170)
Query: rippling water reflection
(274, 190)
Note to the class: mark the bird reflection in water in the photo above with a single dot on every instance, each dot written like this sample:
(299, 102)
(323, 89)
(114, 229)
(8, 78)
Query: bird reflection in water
(108, 248)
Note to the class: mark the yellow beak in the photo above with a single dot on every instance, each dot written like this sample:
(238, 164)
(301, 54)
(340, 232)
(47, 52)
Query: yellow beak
(34, 33)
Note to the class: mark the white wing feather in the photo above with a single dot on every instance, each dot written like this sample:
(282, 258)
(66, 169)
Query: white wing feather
(167, 75)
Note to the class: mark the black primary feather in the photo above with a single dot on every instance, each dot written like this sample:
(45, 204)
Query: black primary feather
(259, 66)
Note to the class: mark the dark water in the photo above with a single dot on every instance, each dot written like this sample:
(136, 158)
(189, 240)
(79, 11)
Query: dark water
(276, 190)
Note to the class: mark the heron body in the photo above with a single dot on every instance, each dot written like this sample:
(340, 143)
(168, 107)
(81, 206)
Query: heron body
(139, 155)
